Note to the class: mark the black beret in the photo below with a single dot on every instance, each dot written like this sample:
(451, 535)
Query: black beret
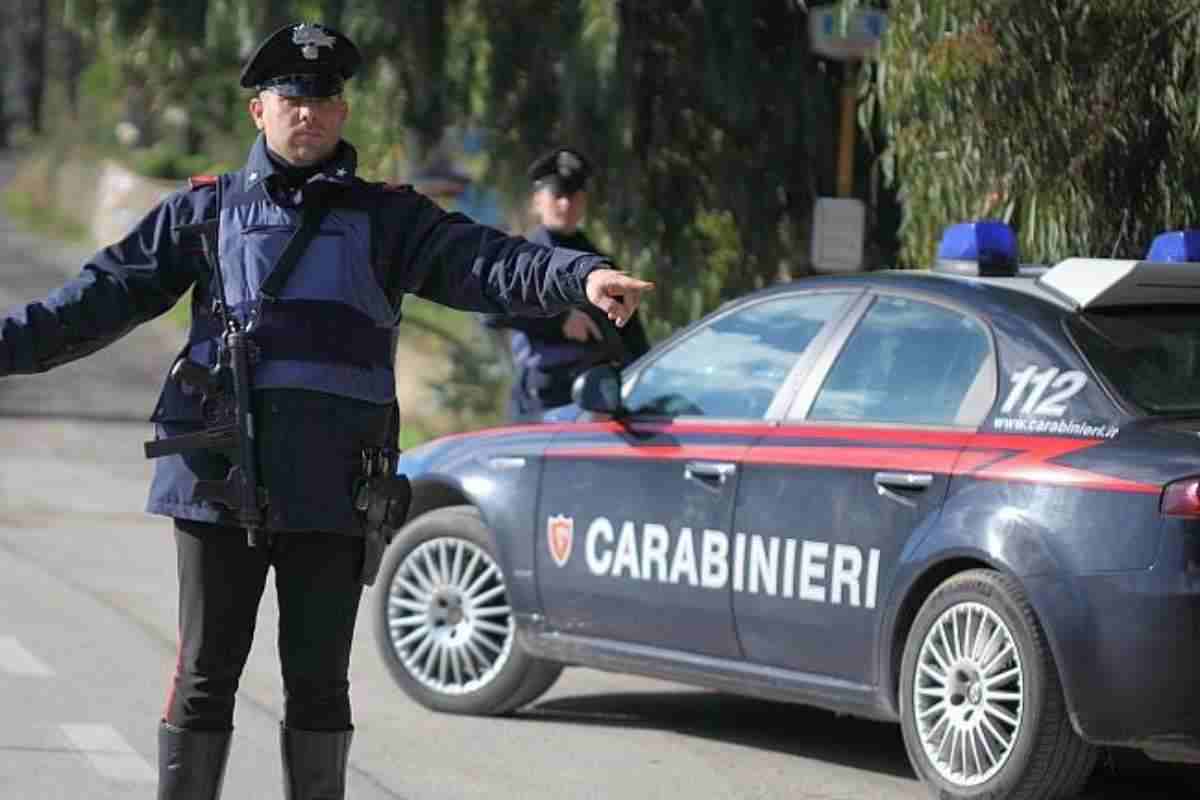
(302, 60)
(563, 170)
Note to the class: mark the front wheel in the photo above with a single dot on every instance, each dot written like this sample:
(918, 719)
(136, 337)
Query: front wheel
(982, 710)
(443, 624)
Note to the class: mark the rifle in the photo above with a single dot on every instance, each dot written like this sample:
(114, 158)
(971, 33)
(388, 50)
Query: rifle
(226, 389)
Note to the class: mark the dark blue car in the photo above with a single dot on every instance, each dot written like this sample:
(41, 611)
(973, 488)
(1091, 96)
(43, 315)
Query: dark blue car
(967, 500)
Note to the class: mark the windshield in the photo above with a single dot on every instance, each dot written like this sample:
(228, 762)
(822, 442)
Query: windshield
(1150, 355)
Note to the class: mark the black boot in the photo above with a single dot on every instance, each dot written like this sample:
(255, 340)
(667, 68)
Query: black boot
(191, 764)
(314, 763)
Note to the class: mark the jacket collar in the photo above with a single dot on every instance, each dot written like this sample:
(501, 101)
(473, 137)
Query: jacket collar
(339, 168)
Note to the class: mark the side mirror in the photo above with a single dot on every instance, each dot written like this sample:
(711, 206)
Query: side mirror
(598, 390)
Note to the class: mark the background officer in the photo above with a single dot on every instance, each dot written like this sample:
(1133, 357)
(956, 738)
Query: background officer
(323, 389)
(549, 352)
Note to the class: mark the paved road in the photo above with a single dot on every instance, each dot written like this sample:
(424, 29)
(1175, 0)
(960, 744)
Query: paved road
(87, 621)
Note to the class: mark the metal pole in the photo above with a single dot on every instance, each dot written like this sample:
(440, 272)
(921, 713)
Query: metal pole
(845, 168)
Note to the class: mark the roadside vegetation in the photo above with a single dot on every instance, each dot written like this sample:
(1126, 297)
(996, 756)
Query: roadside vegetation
(1076, 121)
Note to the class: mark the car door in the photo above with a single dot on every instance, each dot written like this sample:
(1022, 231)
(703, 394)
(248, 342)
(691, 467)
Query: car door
(831, 497)
(638, 512)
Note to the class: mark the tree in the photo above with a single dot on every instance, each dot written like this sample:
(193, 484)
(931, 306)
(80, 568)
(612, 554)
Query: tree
(332, 12)
(731, 122)
(523, 82)
(1077, 121)
(26, 36)
(5, 70)
(272, 15)
(712, 125)
(405, 52)
(177, 63)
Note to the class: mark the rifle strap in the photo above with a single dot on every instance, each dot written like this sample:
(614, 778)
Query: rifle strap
(310, 223)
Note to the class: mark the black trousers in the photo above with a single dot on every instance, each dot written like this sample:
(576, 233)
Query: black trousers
(221, 581)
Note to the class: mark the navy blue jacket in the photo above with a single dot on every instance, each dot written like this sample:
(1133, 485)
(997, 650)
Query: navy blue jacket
(538, 343)
(309, 442)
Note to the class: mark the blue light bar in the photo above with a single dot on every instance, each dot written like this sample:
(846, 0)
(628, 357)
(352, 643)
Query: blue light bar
(985, 248)
(1175, 246)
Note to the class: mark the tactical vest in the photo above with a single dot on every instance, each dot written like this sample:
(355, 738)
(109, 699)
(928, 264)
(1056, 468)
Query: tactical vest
(331, 329)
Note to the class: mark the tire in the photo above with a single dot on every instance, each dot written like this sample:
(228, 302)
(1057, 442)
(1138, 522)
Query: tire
(966, 739)
(542, 676)
(443, 624)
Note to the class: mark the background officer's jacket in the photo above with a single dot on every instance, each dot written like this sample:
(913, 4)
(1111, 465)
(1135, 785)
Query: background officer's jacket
(538, 343)
(311, 427)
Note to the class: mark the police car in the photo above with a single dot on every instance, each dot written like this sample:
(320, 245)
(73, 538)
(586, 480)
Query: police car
(964, 499)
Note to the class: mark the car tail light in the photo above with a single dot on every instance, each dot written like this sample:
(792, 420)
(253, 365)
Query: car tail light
(1181, 499)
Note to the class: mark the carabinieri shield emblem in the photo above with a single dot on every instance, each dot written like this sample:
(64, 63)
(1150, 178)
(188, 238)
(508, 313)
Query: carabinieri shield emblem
(560, 533)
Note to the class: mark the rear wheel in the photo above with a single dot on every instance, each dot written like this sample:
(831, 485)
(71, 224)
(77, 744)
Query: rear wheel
(982, 710)
(443, 624)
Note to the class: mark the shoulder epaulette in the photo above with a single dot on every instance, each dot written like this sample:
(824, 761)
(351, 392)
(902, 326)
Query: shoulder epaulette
(196, 181)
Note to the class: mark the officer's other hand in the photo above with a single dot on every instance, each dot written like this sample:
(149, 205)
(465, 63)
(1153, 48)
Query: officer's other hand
(578, 327)
(615, 293)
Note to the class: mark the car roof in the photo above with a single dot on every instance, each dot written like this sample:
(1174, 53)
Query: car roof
(988, 295)
(1036, 292)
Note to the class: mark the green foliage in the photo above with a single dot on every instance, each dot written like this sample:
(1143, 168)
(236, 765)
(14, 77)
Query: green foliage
(1077, 121)
(693, 112)
(100, 87)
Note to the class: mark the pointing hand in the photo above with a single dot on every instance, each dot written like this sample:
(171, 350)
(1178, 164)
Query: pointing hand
(615, 293)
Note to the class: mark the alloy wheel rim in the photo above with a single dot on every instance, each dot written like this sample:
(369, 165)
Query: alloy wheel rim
(968, 694)
(448, 616)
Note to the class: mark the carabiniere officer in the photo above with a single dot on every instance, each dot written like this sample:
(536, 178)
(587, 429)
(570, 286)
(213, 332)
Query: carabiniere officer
(322, 388)
(548, 353)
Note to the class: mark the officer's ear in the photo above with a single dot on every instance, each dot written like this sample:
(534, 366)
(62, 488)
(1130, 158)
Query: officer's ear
(255, 107)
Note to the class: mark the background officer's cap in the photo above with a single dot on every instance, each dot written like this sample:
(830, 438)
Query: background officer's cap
(304, 60)
(562, 170)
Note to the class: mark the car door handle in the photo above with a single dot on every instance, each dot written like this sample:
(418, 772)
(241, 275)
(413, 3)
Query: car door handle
(707, 471)
(887, 482)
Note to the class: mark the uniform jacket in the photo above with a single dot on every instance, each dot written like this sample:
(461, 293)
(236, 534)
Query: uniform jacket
(314, 412)
(540, 344)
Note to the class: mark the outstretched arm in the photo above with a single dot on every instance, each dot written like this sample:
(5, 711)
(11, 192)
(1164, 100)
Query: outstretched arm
(119, 288)
(450, 259)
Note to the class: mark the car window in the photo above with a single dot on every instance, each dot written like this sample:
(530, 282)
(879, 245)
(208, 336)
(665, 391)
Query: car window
(733, 366)
(909, 362)
(1150, 356)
